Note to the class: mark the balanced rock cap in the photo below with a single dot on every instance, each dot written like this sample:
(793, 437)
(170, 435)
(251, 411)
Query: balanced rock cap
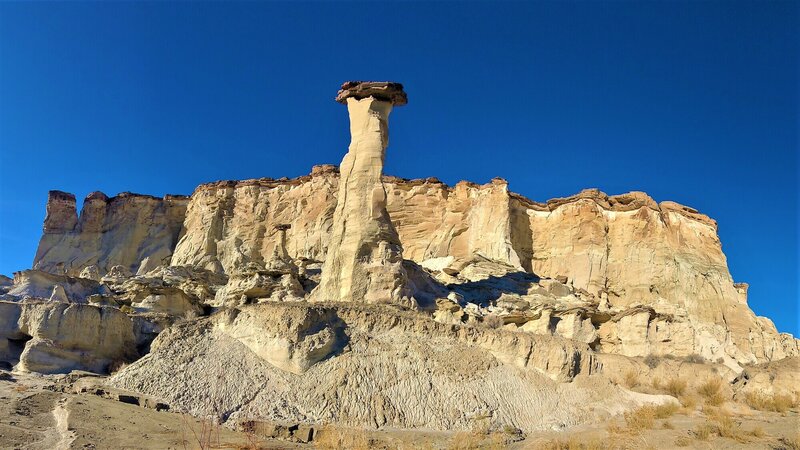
(382, 90)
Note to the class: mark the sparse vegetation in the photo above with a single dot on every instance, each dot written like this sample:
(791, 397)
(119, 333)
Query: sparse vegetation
(652, 361)
(676, 387)
(689, 401)
(702, 431)
(694, 358)
(643, 418)
(711, 391)
(765, 402)
(666, 410)
(631, 379)
(204, 433)
(683, 441)
(640, 419)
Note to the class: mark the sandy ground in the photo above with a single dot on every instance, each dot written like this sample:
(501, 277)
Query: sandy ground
(43, 412)
(34, 414)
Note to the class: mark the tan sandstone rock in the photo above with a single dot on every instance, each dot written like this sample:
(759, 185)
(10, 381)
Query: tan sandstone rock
(49, 337)
(364, 262)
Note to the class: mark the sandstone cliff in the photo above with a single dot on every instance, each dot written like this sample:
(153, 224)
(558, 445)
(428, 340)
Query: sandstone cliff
(618, 252)
(136, 231)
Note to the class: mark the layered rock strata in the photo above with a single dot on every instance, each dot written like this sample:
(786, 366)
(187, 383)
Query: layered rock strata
(48, 337)
(621, 251)
(138, 232)
(364, 262)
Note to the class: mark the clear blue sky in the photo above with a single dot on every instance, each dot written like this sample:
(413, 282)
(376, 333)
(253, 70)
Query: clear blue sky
(693, 102)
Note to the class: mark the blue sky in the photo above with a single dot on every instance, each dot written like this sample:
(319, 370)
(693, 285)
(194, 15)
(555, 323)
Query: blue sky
(694, 102)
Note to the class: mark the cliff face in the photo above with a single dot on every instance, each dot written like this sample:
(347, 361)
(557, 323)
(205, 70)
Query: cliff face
(130, 230)
(657, 269)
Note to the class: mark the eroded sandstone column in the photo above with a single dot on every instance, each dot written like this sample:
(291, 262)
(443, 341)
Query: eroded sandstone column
(364, 259)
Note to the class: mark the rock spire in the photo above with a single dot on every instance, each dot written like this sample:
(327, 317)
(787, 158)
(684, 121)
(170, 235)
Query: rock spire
(364, 262)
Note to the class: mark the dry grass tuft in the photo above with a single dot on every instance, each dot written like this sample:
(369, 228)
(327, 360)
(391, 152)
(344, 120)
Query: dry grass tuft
(656, 383)
(641, 418)
(703, 431)
(721, 423)
(675, 387)
(665, 410)
(683, 441)
(631, 379)
(764, 402)
(711, 391)
(689, 402)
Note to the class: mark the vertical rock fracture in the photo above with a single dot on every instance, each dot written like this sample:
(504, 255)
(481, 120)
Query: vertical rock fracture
(364, 262)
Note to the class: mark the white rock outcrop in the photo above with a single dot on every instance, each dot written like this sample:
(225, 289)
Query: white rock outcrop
(364, 262)
(49, 337)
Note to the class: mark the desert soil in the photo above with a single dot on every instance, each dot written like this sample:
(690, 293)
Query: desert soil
(44, 412)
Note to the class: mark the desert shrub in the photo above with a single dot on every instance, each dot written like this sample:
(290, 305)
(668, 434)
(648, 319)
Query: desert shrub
(683, 441)
(703, 431)
(764, 402)
(631, 379)
(722, 424)
(200, 433)
(652, 361)
(493, 321)
(675, 387)
(711, 391)
(726, 427)
(665, 410)
(615, 428)
(694, 358)
(688, 401)
(641, 418)
(656, 383)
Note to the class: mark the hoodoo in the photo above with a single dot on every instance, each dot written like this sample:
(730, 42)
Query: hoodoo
(365, 258)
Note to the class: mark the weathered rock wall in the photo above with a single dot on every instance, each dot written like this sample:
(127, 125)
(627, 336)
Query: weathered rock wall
(50, 337)
(229, 223)
(618, 251)
(131, 230)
